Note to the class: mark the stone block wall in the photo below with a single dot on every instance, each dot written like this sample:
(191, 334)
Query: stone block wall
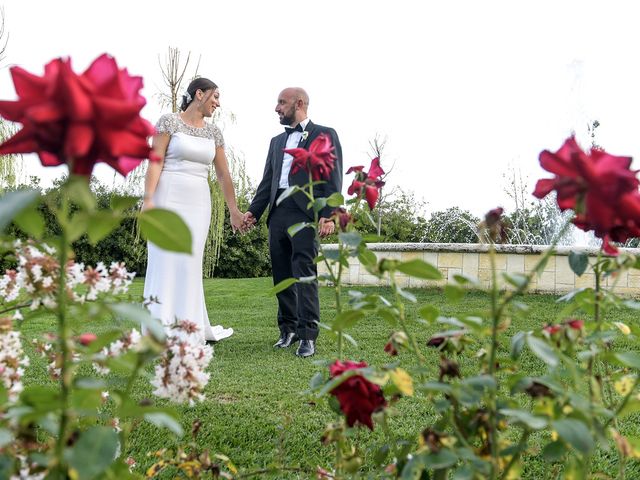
(472, 260)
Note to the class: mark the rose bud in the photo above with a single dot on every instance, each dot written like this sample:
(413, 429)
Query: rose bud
(538, 390)
(87, 338)
(492, 217)
(449, 368)
(390, 349)
(551, 329)
(575, 323)
(436, 341)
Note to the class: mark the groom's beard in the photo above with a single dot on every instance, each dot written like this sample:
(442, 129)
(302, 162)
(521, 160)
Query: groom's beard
(288, 119)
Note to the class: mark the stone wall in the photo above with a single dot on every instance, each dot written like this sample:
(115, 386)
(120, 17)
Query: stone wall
(472, 260)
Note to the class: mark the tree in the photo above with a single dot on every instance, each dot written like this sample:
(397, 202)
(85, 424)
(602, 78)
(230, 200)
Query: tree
(11, 166)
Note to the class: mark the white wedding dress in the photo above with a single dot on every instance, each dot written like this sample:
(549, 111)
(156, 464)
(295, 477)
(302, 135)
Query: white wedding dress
(175, 279)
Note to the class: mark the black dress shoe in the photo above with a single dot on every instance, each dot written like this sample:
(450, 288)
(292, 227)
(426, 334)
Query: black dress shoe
(285, 340)
(306, 348)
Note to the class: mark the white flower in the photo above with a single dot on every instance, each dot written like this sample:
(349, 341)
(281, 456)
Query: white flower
(12, 361)
(181, 375)
(129, 341)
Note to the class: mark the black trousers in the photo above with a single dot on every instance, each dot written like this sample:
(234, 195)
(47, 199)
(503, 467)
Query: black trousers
(298, 305)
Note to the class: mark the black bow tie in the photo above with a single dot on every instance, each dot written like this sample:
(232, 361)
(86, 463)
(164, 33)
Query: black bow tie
(290, 130)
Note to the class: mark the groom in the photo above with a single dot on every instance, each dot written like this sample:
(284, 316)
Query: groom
(298, 305)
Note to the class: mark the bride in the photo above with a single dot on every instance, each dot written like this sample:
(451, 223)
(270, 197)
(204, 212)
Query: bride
(186, 145)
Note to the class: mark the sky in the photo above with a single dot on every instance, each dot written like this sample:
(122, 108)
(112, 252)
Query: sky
(464, 91)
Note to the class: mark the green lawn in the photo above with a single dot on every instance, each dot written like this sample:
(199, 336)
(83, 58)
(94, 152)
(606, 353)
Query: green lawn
(256, 412)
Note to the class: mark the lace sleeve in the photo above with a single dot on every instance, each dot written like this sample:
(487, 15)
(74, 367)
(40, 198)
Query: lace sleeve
(217, 136)
(166, 124)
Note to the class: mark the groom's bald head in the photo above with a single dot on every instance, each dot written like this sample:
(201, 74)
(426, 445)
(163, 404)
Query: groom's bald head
(292, 105)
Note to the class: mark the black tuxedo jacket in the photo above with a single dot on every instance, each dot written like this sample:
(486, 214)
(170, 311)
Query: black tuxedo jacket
(266, 192)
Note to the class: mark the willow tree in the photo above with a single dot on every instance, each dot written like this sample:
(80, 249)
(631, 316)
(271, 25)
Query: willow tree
(11, 166)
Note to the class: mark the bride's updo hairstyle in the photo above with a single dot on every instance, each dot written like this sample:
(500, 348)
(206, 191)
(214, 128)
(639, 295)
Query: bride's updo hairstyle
(200, 83)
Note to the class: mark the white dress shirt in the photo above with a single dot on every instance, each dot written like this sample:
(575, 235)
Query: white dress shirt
(293, 140)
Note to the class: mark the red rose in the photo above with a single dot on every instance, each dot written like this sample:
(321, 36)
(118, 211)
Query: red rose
(390, 348)
(436, 341)
(87, 338)
(369, 182)
(79, 119)
(576, 324)
(551, 329)
(599, 187)
(492, 217)
(342, 217)
(358, 397)
(318, 160)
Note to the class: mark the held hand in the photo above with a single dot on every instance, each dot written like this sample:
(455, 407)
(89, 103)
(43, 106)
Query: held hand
(237, 222)
(325, 227)
(249, 220)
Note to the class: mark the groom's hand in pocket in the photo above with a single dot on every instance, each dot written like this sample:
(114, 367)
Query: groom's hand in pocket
(325, 227)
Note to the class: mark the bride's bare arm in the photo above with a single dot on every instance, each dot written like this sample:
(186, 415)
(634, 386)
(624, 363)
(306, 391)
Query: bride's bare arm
(226, 183)
(159, 146)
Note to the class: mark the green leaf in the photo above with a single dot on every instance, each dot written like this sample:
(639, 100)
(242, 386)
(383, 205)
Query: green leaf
(575, 433)
(347, 319)
(542, 350)
(389, 315)
(517, 344)
(407, 295)
(522, 416)
(30, 221)
(335, 199)
(78, 190)
(518, 280)
(481, 382)
(413, 469)
(76, 226)
(578, 261)
(13, 203)
(351, 239)
(381, 454)
(287, 193)
(101, 224)
(419, 269)
(437, 387)
(139, 315)
(293, 229)
(166, 229)
(283, 285)
(93, 452)
(367, 258)
(319, 204)
(554, 451)
(453, 293)
(440, 460)
(7, 465)
(163, 419)
(5, 437)
(629, 359)
(429, 313)
(121, 204)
